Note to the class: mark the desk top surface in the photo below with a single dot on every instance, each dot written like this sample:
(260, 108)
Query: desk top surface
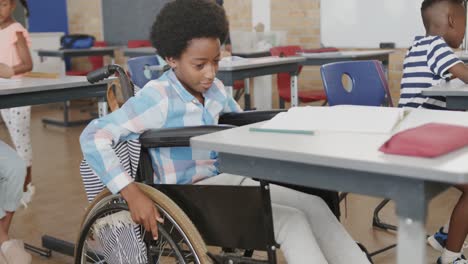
(250, 63)
(149, 50)
(345, 54)
(25, 85)
(452, 88)
(354, 151)
(63, 52)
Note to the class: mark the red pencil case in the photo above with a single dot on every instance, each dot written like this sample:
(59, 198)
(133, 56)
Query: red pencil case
(428, 141)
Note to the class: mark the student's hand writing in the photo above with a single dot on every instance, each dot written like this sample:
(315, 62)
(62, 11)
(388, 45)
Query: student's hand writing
(142, 209)
(6, 71)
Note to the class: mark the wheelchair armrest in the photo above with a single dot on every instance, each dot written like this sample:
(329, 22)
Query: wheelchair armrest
(248, 117)
(176, 137)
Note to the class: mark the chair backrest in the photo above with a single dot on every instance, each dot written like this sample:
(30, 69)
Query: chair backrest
(138, 43)
(284, 79)
(367, 80)
(140, 73)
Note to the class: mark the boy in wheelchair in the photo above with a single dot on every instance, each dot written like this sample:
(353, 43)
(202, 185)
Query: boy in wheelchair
(187, 34)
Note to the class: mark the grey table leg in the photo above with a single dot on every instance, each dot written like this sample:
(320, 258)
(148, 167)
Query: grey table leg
(294, 91)
(412, 207)
(412, 239)
(102, 107)
(247, 100)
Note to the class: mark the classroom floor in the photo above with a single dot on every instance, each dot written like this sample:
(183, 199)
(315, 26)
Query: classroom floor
(60, 200)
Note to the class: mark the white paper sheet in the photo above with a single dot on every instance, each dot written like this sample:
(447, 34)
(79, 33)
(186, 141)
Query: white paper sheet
(360, 119)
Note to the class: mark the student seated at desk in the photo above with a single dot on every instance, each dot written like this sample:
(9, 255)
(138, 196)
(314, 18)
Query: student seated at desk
(12, 174)
(430, 61)
(15, 60)
(187, 34)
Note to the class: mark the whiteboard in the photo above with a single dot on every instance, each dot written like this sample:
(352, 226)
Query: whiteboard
(124, 20)
(366, 23)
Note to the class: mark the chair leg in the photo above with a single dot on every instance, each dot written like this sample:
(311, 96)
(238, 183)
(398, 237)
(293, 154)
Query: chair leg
(377, 223)
(281, 103)
(376, 219)
(238, 94)
(342, 196)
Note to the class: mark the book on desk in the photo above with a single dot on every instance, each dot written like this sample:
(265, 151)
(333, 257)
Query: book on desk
(344, 118)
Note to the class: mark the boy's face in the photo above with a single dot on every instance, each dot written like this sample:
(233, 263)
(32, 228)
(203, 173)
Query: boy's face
(454, 37)
(197, 66)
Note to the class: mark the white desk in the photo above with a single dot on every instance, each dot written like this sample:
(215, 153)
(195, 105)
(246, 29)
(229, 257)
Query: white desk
(455, 92)
(251, 54)
(319, 59)
(253, 67)
(64, 53)
(137, 52)
(348, 162)
(68, 53)
(32, 91)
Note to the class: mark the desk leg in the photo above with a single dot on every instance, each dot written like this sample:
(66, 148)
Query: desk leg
(247, 103)
(294, 91)
(102, 110)
(102, 107)
(66, 120)
(411, 229)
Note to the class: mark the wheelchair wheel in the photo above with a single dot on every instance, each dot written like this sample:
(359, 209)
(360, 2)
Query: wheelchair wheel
(107, 230)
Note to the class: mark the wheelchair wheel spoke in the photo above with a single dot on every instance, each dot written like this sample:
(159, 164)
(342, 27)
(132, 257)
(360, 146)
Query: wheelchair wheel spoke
(108, 236)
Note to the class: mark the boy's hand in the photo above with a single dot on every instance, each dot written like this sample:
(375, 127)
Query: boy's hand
(142, 209)
(6, 71)
(460, 70)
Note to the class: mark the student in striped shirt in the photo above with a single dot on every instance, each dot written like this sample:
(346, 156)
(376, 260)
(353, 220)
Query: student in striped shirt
(187, 34)
(429, 62)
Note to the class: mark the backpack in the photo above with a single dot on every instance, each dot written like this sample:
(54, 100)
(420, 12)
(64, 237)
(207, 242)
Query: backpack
(77, 41)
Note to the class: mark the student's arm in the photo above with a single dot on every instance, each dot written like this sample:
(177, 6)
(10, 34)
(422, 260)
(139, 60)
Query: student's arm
(24, 55)
(460, 71)
(443, 62)
(147, 110)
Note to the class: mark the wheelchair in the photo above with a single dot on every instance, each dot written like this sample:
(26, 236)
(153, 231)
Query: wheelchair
(237, 219)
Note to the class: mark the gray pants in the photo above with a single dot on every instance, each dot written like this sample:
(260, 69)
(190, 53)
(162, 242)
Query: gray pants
(12, 174)
(304, 226)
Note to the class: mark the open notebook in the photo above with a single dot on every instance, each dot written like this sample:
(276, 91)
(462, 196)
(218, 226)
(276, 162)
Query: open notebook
(344, 118)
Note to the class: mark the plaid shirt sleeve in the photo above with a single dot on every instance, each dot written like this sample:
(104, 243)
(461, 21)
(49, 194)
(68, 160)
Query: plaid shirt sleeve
(147, 110)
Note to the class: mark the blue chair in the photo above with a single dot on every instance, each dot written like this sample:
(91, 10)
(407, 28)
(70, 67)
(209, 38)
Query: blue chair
(367, 80)
(140, 73)
(367, 86)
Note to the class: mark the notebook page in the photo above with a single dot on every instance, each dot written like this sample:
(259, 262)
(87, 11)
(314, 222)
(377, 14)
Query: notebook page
(361, 119)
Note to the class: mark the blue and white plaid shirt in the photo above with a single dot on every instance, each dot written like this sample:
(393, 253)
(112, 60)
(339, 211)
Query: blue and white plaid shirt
(162, 103)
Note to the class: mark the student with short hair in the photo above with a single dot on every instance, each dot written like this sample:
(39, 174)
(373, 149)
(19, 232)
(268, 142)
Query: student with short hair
(431, 61)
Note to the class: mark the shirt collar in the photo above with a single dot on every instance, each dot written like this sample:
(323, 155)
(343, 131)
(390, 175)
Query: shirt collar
(180, 89)
(183, 93)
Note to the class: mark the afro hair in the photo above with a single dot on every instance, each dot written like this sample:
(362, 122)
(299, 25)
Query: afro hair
(181, 21)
